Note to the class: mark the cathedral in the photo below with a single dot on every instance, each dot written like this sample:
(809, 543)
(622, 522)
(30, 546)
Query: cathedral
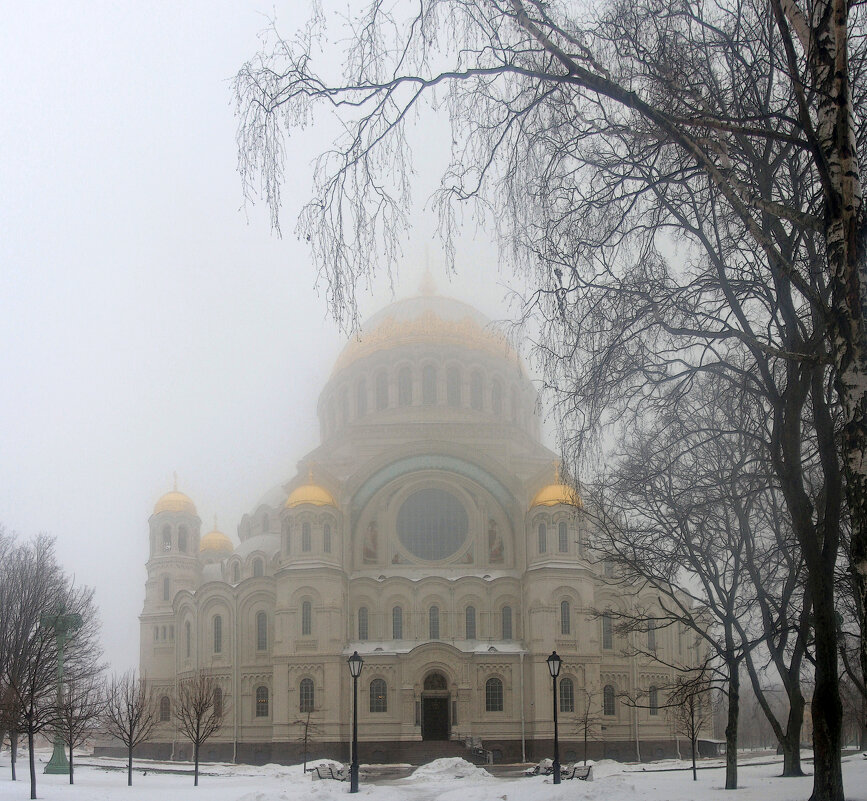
(429, 532)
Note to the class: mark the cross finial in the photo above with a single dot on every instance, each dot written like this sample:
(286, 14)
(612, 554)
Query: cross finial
(215, 522)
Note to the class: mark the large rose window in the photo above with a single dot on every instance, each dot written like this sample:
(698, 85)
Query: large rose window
(432, 524)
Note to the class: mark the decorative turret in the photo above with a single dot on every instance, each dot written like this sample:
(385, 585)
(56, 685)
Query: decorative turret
(215, 546)
(557, 493)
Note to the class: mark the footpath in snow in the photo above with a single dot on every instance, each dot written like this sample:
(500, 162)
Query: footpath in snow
(442, 780)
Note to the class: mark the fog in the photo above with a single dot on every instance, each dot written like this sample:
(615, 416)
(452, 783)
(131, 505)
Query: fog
(150, 323)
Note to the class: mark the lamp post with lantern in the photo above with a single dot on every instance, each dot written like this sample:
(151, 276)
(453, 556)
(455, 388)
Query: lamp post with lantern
(554, 663)
(355, 664)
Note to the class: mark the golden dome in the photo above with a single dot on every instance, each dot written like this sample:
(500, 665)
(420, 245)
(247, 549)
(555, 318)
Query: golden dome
(216, 541)
(557, 493)
(310, 493)
(175, 501)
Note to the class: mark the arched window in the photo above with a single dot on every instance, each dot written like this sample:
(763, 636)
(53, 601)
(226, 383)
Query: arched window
(476, 390)
(167, 538)
(653, 701)
(218, 702)
(164, 632)
(361, 398)
(378, 696)
(218, 634)
(607, 632)
(567, 695)
(507, 622)
(429, 385)
(543, 538)
(306, 619)
(171, 632)
(156, 633)
(434, 623)
(497, 398)
(453, 386)
(362, 623)
(188, 636)
(166, 588)
(236, 573)
(608, 707)
(261, 631)
(165, 709)
(397, 623)
(182, 539)
(305, 695)
(563, 537)
(493, 695)
(565, 618)
(471, 622)
(261, 702)
(258, 568)
(404, 387)
(326, 538)
(651, 635)
(381, 391)
(305, 537)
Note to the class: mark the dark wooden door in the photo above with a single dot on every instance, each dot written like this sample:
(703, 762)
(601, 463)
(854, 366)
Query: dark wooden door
(435, 719)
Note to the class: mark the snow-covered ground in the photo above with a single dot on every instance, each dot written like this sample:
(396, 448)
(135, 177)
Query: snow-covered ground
(443, 780)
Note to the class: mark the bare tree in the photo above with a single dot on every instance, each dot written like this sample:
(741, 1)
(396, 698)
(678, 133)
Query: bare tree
(199, 712)
(79, 713)
(691, 706)
(130, 713)
(589, 135)
(588, 719)
(309, 729)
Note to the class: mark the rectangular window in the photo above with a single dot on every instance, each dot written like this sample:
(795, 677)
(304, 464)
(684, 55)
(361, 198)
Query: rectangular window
(434, 620)
(607, 632)
(397, 623)
(563, 537)
(306, 619)
(507, 622)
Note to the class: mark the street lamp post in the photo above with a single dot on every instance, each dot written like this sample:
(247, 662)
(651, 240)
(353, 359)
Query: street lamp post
(554, 663)
(355, 665)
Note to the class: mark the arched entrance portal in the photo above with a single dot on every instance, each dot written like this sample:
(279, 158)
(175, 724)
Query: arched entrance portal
(435, 708)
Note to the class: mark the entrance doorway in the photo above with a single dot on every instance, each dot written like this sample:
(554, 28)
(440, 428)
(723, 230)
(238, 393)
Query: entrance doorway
(435, 708)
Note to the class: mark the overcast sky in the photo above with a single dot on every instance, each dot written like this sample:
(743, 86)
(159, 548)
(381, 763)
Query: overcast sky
(150, 324)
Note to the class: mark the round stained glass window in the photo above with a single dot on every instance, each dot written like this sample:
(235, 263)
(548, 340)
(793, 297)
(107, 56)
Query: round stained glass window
(432, 524)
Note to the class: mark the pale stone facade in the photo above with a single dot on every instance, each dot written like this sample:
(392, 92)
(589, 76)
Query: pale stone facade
(428, 532)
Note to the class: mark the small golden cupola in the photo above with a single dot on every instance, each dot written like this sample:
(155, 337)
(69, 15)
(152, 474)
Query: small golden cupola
(216, 542)
(557, 493)
(175, 501)
(310, 493)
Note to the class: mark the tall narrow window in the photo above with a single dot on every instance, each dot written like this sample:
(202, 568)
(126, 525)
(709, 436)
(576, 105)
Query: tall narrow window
(166, 588)
(404, 387)
(306, 619)
(397, 623)
(507, 622)
(653, 701)
(378, 696)
(471, 622)
(493, 695)
(476, 390)
(381, 391)
(261, 702)
(362, 623)
(651, 635)
(258, 568)
(236, 573)
(429, 385)
(608, 707)
(567, 695)
(261, 631)
(607, 632)
(361, 398)
(497, 398)
(167, 538)
(305, 537)
(453, 386)
(563, 537)
(565, 618)
(218, 702)
(218, 634)
(326, 538)
(434, 623)
(156, 633)
(182, 539)
(165, 709)
(543, 538)
(188, 635)
(306, 695)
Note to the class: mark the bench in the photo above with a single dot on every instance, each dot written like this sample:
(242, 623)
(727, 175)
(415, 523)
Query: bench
(582, 772)
(337, 773)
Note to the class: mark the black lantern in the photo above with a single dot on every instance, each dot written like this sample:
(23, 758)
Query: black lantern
(355, 663)
(554, 663)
